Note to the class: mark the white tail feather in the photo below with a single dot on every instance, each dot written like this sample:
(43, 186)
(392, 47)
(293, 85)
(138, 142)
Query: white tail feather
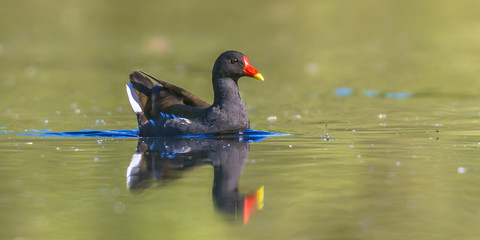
(133, 99)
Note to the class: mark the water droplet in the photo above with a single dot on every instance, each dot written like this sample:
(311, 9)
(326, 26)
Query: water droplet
(41, 222)
(119, 207)
(311, 68)
(30, 71)
(115, 191)
(272, 118)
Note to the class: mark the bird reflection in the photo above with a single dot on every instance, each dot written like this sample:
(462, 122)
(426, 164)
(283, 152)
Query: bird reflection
(160, 159)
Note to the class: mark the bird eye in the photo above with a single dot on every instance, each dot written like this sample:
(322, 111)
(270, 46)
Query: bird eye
(233, 60)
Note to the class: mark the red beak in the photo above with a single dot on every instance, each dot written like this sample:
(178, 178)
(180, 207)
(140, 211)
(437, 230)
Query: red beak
(251, 71)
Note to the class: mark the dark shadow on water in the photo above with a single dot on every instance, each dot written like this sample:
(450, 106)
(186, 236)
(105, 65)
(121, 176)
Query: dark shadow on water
(159, 160)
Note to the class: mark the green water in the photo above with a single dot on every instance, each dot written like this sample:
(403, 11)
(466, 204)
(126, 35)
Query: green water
(357, 166)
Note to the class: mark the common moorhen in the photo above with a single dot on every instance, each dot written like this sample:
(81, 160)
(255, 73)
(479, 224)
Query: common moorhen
(164, 109)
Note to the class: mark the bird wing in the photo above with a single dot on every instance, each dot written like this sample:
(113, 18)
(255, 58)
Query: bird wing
(188, 98)
(151, 100)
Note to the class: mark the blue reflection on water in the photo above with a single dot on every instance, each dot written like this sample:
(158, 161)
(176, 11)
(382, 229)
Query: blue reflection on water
(248, 135)
(399, 95)
(84, 133)
(343, 92)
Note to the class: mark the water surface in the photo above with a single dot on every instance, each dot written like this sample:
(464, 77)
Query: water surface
(381, 99)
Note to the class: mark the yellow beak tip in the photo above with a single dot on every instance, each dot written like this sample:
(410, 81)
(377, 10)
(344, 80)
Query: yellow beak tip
(258, 76)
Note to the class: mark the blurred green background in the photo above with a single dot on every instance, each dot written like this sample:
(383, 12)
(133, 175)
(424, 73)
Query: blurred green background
(59, 56)
(392, 169)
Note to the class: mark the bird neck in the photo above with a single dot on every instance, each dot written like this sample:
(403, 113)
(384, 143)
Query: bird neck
(225, 92)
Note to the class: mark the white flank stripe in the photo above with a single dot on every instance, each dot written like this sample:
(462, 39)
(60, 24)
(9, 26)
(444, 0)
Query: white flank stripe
(133, 99)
